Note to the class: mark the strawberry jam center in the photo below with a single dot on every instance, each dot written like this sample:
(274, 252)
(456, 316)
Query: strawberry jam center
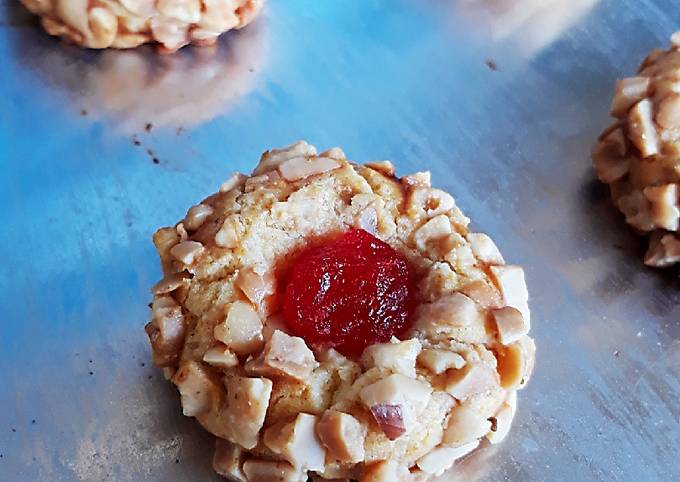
(349, 293)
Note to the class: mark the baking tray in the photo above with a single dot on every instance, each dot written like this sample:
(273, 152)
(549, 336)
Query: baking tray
(501, 102)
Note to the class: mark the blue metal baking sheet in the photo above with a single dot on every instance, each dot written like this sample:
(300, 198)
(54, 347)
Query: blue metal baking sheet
(501, 100)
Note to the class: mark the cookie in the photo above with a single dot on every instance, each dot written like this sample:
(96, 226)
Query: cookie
(330, 320)
(125, 24)
(638, 156)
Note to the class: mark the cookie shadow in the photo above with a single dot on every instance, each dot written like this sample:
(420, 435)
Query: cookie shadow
(626, 253)
(134, 88)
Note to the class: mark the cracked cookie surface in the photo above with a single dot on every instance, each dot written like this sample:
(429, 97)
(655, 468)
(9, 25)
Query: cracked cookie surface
(286, 408)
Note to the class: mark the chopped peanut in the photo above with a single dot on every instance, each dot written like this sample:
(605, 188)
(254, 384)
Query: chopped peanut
(199, 392)
(342, 435)
(440, 459)
(334, 153)
(166, 330)
(395, 356)
(439, 361)
(228, 461)
(257, 470)
(435, 229)
(637, 209)
(368, 220)
(675, 39)
(181, 230)
(471, 380)
(241, 330)
(384, 167)
(247, 403)
(390, 419)
(285, 355)
(235, 180)
(170, 283)
(510, 280)
(628, 92)
(484, 293)
(668, 115)
(220, 357)
(187, 11)
(272, 159)
(429, 202)
(297, 442)
(103, 26)
(440, 280)
(664, 205)
(664, 250)
(509, 324)
(385, 471)
(259, 289)
(395, 402)
(187, 251)
(516, 362)
(164, 239)
(641, 128)
(260, 182)
(455, 310)
(485, 249)
(227, 235)
(418, 179)
(196, 216)
(465, 425)
(610, 156)
(302, 167)
(503, 420)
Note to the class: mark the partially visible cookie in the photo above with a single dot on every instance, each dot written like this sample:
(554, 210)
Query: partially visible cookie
(328, 319)
(529, 26)
(639, 154)
(125, 24)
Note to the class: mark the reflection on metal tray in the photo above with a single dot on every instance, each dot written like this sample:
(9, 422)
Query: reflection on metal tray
(501, 100)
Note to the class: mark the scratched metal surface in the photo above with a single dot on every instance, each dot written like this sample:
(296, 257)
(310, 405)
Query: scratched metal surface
(400, 79)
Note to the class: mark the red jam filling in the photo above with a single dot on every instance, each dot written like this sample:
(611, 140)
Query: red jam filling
(350, 293)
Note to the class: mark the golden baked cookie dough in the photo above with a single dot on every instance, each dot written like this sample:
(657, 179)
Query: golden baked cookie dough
(125, 24)
(639, 154)
(284, 409)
